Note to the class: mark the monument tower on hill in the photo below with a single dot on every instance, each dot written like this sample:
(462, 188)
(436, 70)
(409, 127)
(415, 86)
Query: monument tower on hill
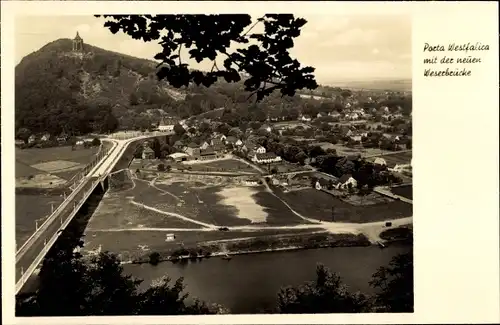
(77, 44)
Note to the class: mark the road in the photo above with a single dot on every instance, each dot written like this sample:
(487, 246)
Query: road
(28, 258)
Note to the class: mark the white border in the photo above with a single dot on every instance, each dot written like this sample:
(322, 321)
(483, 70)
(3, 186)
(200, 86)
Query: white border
(455, 160)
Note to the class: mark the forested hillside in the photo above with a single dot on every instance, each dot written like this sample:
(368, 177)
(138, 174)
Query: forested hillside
(58, 91)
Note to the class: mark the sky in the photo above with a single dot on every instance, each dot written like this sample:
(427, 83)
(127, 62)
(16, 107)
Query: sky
(341, 48)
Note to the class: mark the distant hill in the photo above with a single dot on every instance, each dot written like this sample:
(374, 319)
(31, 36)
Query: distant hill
(81, 87)
(382, 84)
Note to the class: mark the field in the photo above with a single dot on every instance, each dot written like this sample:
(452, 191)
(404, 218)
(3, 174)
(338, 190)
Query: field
(191, 201)
(192, 207)
(345, 151)
(37, 171)
(318, 205)
(224, 165)
(40, 167)
(398, 158)
(136, 243)
(404, 191)
(30, 208)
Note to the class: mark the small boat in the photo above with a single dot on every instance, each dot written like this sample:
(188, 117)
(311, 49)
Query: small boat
(381, 245)
(226, 257)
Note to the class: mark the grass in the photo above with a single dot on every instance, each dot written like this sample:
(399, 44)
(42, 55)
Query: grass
(318, 205)
(30, 208)
(405, 191)
(116, 212)
(129, 241)
(278, 213)
(24, 170)
(226, 165)
(34, 156)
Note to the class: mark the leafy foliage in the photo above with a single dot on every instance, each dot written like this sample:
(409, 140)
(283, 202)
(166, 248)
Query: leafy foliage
(267, 61)
(395, 285)
(325, 295)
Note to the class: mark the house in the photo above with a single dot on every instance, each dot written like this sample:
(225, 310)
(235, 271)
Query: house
(216, 141)
(179, 156)
(266, 158)
(305, 118)
(266, 127)
(19, 142)
(319, 115)
(321, 184)
(402, 168)
(165, 127)
(346, 182)
(356, 138)
(260, 150)
(208, 154)
(170, 237)
(80, 142)
(192, 149)
(231, 140)
(148, 153)
(349, 133)
(239, 143)
(334, 114)
(251, 182)
(204, 146)
(32, 138)
(45, 137)
(61, 139)
(380, 161)
(223, 137)
(178, 145)
(353, 116)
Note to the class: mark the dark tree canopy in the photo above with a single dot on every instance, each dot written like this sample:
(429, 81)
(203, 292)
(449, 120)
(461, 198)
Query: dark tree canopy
(263, 56)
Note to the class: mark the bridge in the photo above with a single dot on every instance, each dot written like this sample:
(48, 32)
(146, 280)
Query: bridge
(33, 251)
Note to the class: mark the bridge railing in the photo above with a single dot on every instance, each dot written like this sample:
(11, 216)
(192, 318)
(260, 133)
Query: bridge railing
(74, 185)
(47, 245)
(125, 135)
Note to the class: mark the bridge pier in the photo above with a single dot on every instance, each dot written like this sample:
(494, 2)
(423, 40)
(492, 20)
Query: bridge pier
(104, 184)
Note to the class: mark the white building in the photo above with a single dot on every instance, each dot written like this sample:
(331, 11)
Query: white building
(266, 158)
(261, 150)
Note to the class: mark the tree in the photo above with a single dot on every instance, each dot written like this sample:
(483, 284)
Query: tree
(156, 147)
(161, 167)
(23, 134)
(267, 63)
(179, 129)
(110, 123)
(395, 285)
(96, 142)
(325, 295)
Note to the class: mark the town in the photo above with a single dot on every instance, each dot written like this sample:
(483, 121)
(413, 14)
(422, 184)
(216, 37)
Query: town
(158, 178)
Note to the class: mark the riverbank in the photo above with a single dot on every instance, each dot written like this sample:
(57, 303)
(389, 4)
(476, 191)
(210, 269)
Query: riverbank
(253, 245)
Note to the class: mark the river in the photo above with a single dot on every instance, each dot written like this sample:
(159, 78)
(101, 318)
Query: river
(250, 283)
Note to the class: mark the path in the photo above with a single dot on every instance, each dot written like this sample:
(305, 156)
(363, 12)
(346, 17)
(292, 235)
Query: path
(172, 214)
(387, 192)
(371, 230)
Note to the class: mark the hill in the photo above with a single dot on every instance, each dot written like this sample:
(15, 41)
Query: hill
(382, 84)
(96, 90)
(82, 88)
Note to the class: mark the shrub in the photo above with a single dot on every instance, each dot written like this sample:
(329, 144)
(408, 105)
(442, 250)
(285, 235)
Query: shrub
(96, 142)
(154, 258)
(161, 167)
